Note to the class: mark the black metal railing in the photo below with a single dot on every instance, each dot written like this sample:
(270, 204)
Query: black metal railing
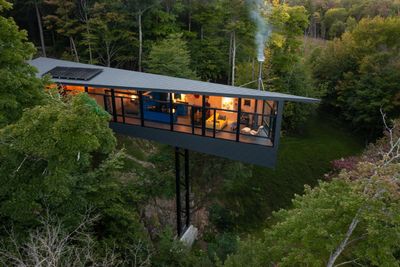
(235, 125)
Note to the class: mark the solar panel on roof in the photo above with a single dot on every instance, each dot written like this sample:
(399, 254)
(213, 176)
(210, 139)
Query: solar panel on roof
(72, 73)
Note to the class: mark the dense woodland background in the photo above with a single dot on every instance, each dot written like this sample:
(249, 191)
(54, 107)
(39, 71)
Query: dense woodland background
(74, 194)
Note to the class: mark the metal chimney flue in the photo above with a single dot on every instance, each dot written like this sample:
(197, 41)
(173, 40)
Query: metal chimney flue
(260, 82)
(260, 87)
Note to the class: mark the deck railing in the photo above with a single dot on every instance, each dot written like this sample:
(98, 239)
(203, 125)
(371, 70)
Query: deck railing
(234, 125)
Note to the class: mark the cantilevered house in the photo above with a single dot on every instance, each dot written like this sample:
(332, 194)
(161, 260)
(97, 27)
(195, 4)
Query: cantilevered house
(233, 122)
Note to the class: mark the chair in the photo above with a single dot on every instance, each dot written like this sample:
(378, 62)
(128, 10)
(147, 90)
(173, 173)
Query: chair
(247, 130)
(253, 132)
(220, 122)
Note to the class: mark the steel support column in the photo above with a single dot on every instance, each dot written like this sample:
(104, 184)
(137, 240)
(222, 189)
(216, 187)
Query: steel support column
(171, 112)
(239, 111)
(187, 189)
(178, 192)
(179, 211)
(114, 107)
(141, 107)
(203, 116)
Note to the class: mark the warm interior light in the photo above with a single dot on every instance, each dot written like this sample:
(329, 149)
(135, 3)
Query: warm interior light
(227, 103)
(134, 97)
(75, 88)
(181, 98)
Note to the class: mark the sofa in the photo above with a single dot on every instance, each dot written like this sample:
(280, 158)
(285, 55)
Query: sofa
(220, 122)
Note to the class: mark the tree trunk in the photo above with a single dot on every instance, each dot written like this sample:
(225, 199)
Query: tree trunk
(190, 16)
(253, 75)
(89, 44)
(53, 38)
(73, 48)
(233, 57)
(140, 40)
(108, 63)
(323, 30)
(230, 58)
(39, 20)
(88, 37)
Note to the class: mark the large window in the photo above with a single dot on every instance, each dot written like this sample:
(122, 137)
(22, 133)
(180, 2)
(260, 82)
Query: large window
(257, 121)
(236, 119)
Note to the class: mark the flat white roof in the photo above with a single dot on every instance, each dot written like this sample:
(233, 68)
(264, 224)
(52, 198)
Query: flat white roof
(126, 79)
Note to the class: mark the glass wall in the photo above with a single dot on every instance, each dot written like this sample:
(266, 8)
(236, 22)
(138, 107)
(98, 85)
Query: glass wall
(257, 121)
(236, 119)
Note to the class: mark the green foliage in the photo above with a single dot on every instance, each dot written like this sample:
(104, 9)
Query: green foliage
(222, 218)
(170, 57)
(288, 73)
(358, 208)
(284, 70)
(172, 252)
(209, 47)
(334, 21)
(247, 201)
(360, 72)
(109, 34)
(45, 152)
(60, 158)
(161, 23)
(328, 18)
(4, 5)
(19, 88)
(64, 21)
(224, 244)
(307, 234)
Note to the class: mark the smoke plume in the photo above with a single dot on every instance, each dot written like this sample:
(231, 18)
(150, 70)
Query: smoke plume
(257, 9)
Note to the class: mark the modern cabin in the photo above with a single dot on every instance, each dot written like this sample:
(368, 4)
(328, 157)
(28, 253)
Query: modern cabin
(232, 122)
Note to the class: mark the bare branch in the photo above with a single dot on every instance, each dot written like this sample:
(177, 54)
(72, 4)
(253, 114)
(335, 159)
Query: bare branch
(389, 157)
(345, 241)
(348, 262)
(20, 165)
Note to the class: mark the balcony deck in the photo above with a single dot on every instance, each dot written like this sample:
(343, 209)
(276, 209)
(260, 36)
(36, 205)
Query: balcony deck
(182, 126)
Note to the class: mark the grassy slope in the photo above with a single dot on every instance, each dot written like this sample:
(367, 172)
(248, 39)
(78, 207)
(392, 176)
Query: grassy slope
(305, 159)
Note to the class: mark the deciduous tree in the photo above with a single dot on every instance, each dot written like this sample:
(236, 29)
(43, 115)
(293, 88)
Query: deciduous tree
(19, 88)
(360, 72)
(170, 57)
(350, 220)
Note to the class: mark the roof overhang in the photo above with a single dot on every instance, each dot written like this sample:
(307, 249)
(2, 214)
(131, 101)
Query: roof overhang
(125, 79)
